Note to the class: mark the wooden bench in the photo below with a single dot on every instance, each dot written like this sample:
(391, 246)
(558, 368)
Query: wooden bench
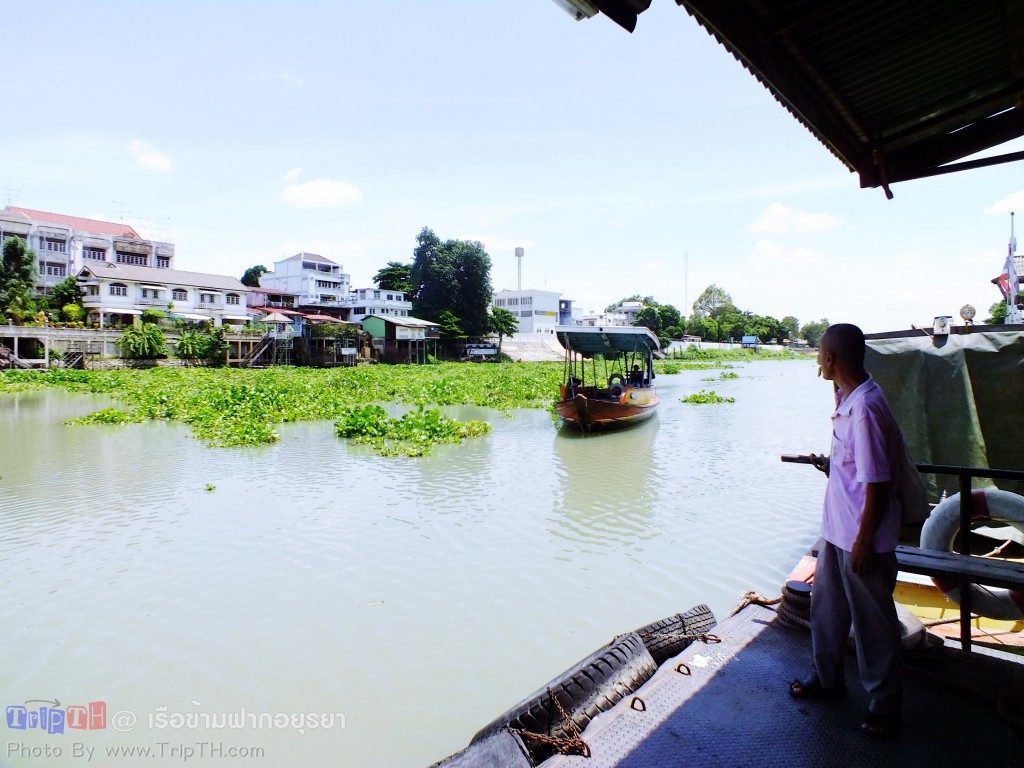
(978, 570)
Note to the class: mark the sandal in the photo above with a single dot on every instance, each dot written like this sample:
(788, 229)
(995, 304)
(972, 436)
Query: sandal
(813, 689)
(881, 726)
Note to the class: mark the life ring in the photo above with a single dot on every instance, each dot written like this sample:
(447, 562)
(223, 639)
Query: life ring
(941, 528)
(616, 385)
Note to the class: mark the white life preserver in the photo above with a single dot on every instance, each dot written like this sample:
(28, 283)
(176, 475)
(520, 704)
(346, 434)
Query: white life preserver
(941, 528)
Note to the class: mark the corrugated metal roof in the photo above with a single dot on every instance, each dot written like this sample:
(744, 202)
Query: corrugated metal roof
(896, 89)
(110, 271)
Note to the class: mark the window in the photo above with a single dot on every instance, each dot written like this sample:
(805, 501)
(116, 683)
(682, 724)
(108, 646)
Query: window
(513, 302)
(179, 295)
(359, 311)
(326, 284)
(207, 298)
(527, 301)
(163, 262)
(96, 254)
(499, 302)
(325, 298)
(376, 294)
(150, 293)
(92, 290)
(373, 311)
(53, 269)
(390, 297)
(232, 298)
(526, 313)
(53, 245)
(5, 235)
(137, 259)
(118, 289)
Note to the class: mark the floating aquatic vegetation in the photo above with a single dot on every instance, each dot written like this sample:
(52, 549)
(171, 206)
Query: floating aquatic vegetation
(728, 375)
(709, 397)
(236, 407)
(106, 416)
(413, 434)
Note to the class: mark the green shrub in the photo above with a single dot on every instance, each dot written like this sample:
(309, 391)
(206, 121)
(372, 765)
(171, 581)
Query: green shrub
(144, 342)
(152, 316)
(73, 313)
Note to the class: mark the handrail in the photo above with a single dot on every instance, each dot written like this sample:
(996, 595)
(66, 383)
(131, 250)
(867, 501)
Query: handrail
(966, 476)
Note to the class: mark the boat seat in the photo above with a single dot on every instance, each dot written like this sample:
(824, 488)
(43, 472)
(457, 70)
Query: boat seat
(992, 572)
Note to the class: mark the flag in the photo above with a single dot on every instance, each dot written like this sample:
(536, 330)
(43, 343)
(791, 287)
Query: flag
(1003, 281)
(1012, 281)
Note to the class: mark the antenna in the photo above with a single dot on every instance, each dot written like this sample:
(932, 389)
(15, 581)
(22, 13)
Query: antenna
(123, 209)
(1013, 240)
(519, 269)
(11, 192)
(686, 282)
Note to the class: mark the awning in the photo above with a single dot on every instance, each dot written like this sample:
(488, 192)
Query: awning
(244, 318)
(108, 311)
(187, 316)
(154, 287)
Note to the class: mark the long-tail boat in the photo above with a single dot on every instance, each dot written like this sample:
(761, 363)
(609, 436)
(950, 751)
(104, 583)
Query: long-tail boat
(609, 376)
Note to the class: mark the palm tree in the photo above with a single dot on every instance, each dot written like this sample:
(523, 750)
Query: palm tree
(503, 323)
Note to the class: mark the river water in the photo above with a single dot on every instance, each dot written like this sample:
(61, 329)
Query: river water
(416, 599)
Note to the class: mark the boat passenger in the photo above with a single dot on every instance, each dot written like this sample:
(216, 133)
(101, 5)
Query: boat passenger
(636, 378)
(856, 569)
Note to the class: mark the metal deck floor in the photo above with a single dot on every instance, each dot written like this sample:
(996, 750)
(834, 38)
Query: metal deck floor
(734, 709)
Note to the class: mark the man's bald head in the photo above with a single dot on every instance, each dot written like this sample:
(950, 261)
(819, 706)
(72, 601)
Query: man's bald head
(846, 343)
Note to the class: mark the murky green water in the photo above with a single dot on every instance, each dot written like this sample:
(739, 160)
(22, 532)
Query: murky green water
(417, 598)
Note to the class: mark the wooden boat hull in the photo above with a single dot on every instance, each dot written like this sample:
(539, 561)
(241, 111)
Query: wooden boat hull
(597, 413)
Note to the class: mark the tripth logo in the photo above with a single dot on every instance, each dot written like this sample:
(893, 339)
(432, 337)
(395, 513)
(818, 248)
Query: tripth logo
(49, 716)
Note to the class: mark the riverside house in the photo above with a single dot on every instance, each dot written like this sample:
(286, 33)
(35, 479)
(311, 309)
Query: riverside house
(117, 293)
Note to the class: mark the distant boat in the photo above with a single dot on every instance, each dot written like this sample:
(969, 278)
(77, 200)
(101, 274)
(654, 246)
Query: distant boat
(609, 376)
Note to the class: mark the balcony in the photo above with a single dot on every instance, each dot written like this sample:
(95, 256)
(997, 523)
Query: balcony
(148, 302)
(208, 305)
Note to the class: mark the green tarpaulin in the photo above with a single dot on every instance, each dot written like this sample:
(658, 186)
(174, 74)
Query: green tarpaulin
(958, 398)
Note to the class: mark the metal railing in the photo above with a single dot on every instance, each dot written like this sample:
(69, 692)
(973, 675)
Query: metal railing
(966, 477)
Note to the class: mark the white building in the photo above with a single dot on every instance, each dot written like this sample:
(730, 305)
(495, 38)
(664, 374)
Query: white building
(537, 310)
(64, 244)
(117, 293)
(364, 302)
(311, 278)
(604, 319)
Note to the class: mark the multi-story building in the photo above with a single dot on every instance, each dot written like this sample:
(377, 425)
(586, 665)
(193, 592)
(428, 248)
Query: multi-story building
(313, 280)
(117, 293)
(65, 244)
(537, 310)
(364, 302)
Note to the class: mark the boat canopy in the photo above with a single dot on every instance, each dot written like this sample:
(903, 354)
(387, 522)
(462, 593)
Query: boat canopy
(610, 341)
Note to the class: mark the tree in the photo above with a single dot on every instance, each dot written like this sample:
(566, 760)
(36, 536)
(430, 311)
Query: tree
(648, 317)
(789, 327)
(394, 276)
(503, 323)
(251, 276)
(17, 278)
(713, 302)
(67, 291)
(996, 314)
(450, 330)
(453, 275)
(668, 315)
(813, 332)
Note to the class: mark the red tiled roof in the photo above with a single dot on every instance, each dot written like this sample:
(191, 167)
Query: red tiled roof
(77, 222)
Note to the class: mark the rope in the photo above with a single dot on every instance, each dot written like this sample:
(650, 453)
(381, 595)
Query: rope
(572, 744)
(751, 597)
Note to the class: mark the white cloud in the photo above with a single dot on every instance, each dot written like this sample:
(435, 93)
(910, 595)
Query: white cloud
(778, 219)
(292, 175)
(1010, 203)
(282, 76)
(149, 157)
(321, 193)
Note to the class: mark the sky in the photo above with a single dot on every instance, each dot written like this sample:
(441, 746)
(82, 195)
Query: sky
(651, 163)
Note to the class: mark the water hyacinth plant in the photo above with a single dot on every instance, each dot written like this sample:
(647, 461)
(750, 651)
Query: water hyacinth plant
(414, 434)
(707, 398)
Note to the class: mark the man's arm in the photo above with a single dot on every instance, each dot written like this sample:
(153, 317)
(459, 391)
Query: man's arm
(874, 509)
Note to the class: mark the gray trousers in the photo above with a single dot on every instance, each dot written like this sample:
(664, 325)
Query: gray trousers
(840, 598)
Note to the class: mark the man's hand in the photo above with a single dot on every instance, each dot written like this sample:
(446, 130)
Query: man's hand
(862, 557)
(820, 463)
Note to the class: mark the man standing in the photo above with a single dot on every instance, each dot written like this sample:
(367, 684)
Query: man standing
(856, 569)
